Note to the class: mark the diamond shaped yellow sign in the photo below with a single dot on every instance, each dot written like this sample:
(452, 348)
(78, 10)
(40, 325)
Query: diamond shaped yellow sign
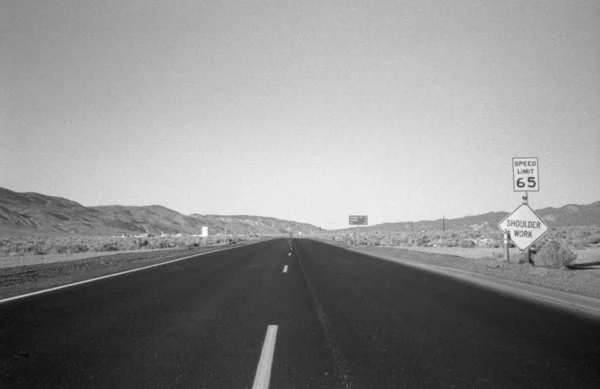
(524, 227)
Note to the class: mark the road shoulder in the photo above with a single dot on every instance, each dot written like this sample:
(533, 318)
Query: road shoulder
(536, 284)
(21, 280)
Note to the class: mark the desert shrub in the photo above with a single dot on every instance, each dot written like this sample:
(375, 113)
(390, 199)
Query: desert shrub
(441, 242)
(452, 242)
(58, 248)
(160, 244)
(17, 246)
(78, 248)
(593, 239)
(181, 244)
(421, 241)
(466, 243)
(108, 246)
(35, 248)
(583, 233)
(555, 255)
(493, 243)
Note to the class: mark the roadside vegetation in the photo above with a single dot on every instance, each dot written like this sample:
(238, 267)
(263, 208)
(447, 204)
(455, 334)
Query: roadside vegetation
(577, 238)
(556, 255)
(21, 246)
(553, 250)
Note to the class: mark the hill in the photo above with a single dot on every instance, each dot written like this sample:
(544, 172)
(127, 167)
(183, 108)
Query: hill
(245, 224)
(566, 216)
(24, 214)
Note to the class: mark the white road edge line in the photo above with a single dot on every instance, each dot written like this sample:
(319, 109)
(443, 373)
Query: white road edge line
(285, 268)
(263, 370)
(522, 291)
(108, 276)
(519, 292)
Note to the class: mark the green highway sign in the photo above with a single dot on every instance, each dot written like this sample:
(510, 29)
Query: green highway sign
(359, 220)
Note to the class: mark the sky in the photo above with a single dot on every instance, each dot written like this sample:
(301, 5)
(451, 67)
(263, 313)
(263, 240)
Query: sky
(301, 110)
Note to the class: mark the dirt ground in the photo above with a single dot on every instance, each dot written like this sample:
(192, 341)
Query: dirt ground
(29, 260)
(583, 256)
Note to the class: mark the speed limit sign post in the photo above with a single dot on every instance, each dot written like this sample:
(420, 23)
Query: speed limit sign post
(526, 176)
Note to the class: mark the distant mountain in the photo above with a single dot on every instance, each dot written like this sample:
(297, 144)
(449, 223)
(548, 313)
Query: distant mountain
(22, 213)
(568, 215)
(246, 224)
(35, 214)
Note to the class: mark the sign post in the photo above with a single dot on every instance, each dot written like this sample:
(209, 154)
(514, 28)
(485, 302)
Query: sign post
(358, 220)
(506, 248)
(526, 254)
(523, 226)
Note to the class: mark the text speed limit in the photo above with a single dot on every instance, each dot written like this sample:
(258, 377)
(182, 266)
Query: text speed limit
(526, 175)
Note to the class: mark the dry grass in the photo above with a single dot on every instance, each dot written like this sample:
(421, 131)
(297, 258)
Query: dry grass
(555, 255)
(33, 246)
(575, 238)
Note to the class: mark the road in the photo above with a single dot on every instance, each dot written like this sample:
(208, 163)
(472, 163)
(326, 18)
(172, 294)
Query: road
(334, 319)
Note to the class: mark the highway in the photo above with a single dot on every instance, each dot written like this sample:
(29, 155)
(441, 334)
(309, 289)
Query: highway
(291, 313)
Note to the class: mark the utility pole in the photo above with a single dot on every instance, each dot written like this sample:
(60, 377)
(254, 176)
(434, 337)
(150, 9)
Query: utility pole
(443, 223)
(225, 235)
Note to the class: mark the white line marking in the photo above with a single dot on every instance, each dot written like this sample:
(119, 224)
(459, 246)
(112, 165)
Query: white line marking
(107, 276)
(285, 268)
(263, 370)
(289, 254)
(517, 290)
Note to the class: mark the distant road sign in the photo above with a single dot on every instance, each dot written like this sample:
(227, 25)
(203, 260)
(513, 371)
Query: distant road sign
(359, 220)
(526, 175)
(204, 231)
(524, 227)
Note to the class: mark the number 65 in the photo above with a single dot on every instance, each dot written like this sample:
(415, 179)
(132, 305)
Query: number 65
(530, 181)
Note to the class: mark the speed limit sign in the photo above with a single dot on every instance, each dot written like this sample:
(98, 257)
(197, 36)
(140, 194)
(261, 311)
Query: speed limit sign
(526, 175)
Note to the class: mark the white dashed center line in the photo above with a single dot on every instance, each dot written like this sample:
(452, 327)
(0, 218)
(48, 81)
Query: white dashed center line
(285, 268)
(263, 371)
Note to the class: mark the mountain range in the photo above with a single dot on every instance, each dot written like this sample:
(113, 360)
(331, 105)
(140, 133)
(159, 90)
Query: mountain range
(23, 214)
(570, 215)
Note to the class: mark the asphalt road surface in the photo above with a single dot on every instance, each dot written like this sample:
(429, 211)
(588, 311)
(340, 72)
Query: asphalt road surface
(240, 318)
